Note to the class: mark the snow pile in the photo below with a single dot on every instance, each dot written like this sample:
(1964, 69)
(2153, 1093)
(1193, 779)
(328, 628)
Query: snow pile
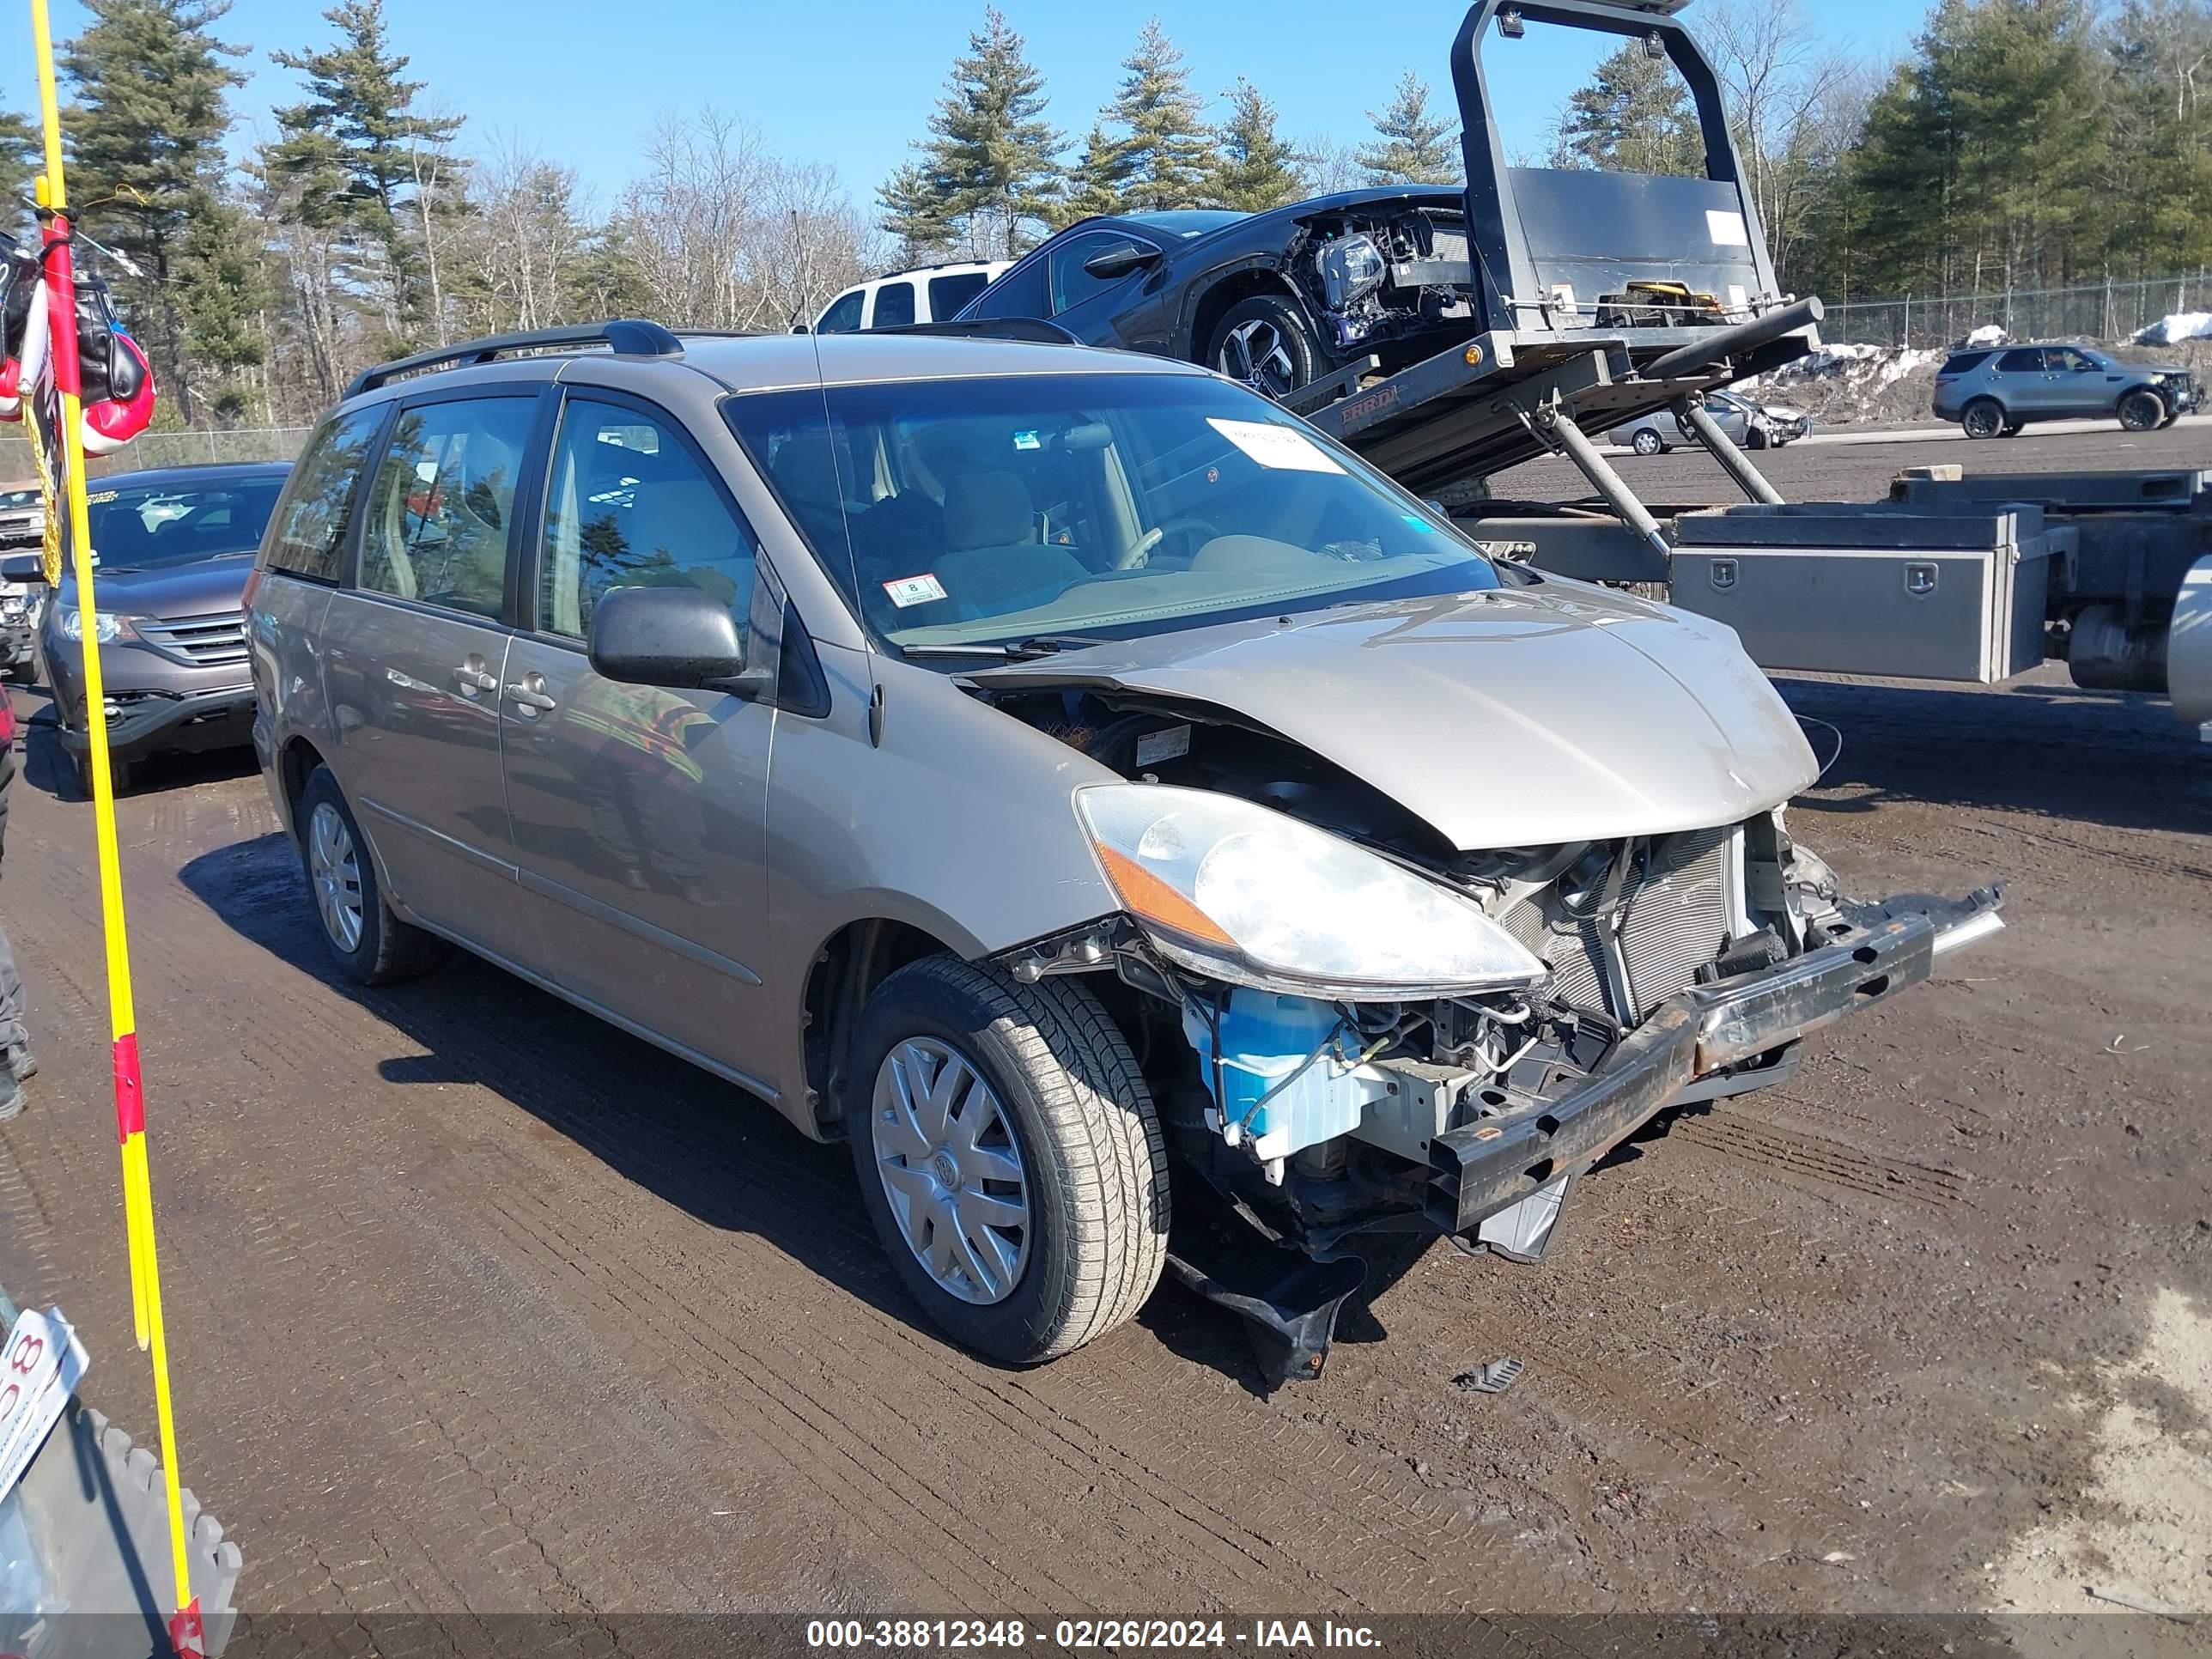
(1850, 382)
(1988, 334)
(2173, 331)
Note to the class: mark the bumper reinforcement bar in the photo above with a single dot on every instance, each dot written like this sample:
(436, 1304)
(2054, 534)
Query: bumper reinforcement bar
(1492, 1165)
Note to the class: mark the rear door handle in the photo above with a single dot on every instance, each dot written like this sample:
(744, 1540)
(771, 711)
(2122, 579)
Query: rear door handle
(532, 701)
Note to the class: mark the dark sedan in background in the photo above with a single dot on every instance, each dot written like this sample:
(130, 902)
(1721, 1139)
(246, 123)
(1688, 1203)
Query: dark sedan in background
(1276, 299)
(174, 549)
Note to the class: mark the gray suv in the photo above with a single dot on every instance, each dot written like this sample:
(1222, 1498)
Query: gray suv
(1059, 772)
(1997, 392)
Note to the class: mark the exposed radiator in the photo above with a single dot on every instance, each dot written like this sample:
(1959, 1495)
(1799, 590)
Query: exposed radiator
(1672, 917)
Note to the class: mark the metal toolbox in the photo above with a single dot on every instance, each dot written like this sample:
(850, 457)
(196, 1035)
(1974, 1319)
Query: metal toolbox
(1883, 590)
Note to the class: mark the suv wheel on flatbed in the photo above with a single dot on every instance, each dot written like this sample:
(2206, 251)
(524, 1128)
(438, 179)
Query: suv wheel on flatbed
(2143, 411)
(1010, 1156)
(372, 946)
(1267, 342)
(1985, 418)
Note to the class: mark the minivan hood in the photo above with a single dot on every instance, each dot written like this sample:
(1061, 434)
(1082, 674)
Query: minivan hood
(1518, 717)
(198, 589)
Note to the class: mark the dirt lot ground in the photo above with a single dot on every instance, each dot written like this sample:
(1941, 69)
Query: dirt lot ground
(476, 1303)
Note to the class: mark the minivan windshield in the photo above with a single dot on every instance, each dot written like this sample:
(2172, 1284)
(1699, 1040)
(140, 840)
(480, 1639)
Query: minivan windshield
(985, 511)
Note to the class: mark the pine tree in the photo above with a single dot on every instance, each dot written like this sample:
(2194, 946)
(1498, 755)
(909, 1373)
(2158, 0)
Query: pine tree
(915, 212)
(1166, 151)
(986, 173)
(222, 271)
(145, 132)
(358, 136)
(2160, 57)
(1635, 116)
(1254, 168)
(1100, 177)
(1413, 147)
(18, 164)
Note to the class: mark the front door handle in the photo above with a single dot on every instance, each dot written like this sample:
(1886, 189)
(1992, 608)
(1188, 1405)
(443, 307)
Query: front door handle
(532, 701)
(472, 678)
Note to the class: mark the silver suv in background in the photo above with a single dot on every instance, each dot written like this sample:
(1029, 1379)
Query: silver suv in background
(1036, 765)
(1998, 391)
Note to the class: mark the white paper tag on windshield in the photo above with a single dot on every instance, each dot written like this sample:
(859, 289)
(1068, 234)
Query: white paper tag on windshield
(1727, 230)
(1284, 447)
(915, 590)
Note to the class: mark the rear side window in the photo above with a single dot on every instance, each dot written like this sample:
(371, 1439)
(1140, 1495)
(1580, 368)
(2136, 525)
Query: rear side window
(1966, 362)
(948, 294)
(444, 503)
(2026, 361)
(843, 317)
(311, 520)
(894, 306)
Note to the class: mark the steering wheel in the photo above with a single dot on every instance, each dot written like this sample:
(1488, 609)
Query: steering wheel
(1141, 550)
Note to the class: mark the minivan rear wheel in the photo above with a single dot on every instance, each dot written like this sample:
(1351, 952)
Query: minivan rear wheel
(1985, 418)
(2143, 411)
(1010, 1156)
(372, 946)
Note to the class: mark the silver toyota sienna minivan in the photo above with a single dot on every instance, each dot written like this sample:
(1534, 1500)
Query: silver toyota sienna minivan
(1059, 772)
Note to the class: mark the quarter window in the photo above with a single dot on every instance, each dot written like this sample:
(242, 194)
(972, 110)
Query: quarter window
(1071, 283)
(630, 507)
(444, 503)
(947, 294)
(311, 525)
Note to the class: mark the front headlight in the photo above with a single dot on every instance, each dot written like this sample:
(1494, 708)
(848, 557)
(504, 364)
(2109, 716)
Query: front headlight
(68, 622)
(1244, 894)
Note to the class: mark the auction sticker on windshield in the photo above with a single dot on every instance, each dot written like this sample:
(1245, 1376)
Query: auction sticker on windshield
(1282, 447)
(40, 1368)
(915, 590)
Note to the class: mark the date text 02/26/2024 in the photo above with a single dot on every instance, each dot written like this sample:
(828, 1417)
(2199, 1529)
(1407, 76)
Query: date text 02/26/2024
(1088, 1635)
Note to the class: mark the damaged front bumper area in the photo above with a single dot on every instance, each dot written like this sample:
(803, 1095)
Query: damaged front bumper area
(1491, 1165)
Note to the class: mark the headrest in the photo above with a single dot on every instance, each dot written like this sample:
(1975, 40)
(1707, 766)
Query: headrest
(987, 509)
(806, 470)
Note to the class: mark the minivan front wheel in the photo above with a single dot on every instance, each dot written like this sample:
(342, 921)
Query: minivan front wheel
(2142, 411)
(1648, 442)
(1985, 418)
(372, 946)
(1009, 1156)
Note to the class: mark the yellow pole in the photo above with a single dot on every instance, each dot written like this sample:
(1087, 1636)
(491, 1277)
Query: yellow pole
(184, 1630)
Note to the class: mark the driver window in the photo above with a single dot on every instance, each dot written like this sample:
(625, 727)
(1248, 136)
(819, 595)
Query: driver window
(1071, 283)
(628, 507)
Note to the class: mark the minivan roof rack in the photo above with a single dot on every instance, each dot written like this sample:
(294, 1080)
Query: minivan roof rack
(1034, 329)
(629, 337)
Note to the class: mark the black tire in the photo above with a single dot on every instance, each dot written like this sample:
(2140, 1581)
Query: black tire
(119, 774)
(2172, 416)
(1755, 439)
(1093, 1162)
(1289, 350)
(1985, 418)
(2143, 411)
(387, 948)
(2013, 428)
(1647, 441)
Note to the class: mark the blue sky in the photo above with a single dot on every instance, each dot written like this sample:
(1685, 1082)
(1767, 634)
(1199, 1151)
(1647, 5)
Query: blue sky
(849, 82)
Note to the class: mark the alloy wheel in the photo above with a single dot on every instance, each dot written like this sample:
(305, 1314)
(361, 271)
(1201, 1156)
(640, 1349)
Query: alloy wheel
(952, 1169)
(1255, 353)
(334, 872)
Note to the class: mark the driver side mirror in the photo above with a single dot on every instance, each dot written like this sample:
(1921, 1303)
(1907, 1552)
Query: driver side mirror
(1121, 261)
(680, 637)
(22, 568)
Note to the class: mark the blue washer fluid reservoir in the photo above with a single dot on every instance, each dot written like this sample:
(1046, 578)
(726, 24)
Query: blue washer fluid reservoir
(1265, 1038)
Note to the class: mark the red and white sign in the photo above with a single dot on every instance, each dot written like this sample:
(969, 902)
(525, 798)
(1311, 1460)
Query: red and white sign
(39, 1368)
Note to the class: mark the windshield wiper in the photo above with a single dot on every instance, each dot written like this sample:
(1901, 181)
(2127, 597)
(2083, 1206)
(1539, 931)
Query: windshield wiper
(1027, 650)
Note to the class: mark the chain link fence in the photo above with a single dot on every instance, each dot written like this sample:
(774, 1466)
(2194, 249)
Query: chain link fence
(154, 449)
(2107, 311)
